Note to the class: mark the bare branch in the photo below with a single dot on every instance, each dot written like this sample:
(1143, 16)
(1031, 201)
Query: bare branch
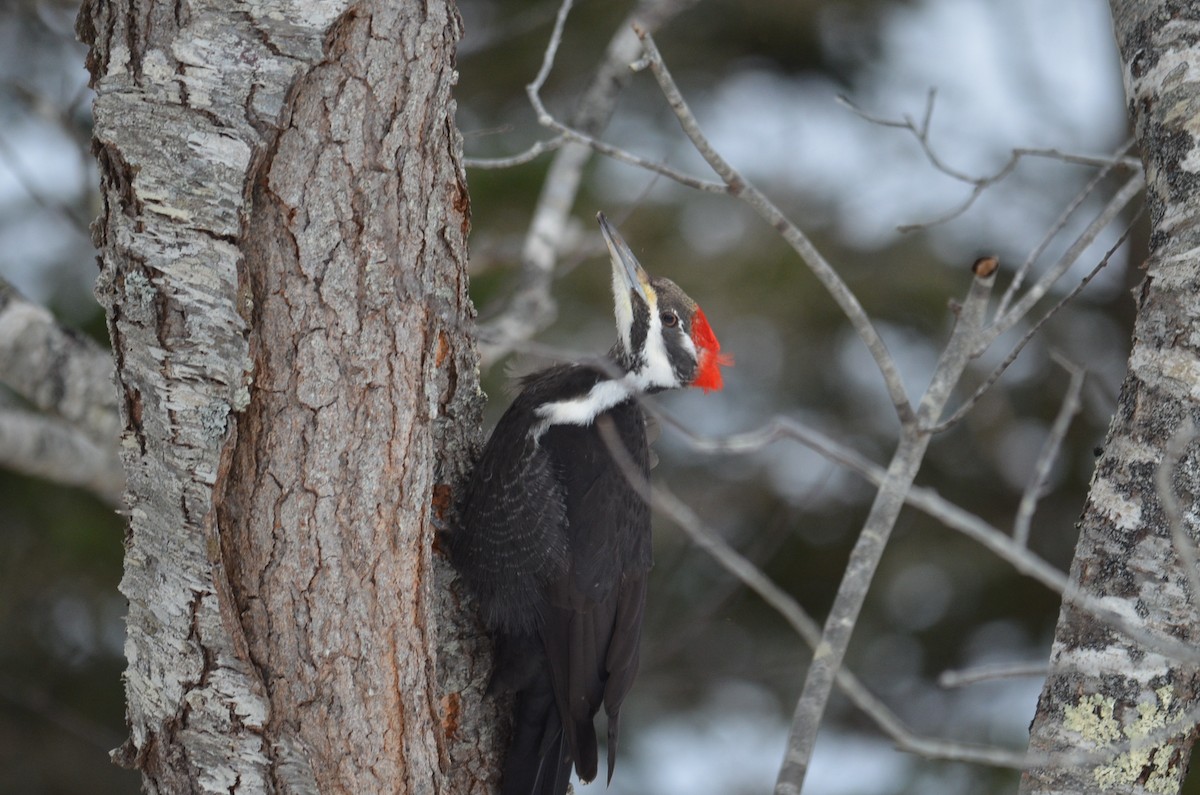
(623, 156)
(1031, 565)
(703, 608)
(534, 89)
(532, 153)
(952, 516)
(63, 373)
(937, 507)
(585, 135)
(990, 673)
(921, 133)
(53, 450)
(1099, 161)
(979, 184)
(594, 111)
(1022, 307)
(1049, 452)
(994, 376)
(56, 369)
(921, 498)
(532, 307)
(933, 504)
(745, 190)
(807, 629)
(803, 624)
(1014, 286)
(867, 552)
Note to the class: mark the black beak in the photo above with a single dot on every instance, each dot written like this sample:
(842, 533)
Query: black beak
(625, 264)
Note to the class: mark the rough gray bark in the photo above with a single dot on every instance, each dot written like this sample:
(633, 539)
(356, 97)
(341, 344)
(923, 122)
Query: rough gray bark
(1104, 689)
(283, 266)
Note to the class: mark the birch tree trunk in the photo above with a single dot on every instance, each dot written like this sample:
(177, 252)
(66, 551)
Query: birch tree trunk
(283, 259)
(1105, 688)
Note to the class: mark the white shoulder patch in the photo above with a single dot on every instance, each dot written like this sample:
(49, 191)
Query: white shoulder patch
(582, 410)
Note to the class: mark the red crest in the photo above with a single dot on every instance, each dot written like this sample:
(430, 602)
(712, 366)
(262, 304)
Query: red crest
(708, 373)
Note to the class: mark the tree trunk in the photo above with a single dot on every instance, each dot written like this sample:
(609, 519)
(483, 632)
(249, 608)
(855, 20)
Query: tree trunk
(283, 264)
(1106, 688)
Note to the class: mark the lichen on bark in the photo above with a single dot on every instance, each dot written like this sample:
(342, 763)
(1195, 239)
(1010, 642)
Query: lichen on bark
(1107, 687)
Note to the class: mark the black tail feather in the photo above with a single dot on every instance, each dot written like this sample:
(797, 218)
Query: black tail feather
(612, 743)
(539, 759)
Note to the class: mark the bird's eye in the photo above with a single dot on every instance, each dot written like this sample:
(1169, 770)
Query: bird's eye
(669, 319)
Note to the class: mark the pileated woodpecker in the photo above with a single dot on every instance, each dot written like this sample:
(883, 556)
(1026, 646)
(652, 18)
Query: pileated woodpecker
(555, 533)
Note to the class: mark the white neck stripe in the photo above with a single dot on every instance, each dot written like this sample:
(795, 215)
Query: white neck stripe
(657, 370)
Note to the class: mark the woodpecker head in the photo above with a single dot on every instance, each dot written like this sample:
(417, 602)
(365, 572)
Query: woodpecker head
(663, 339)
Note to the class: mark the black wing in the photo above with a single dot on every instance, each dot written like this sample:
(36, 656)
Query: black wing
(593, 626)
(555, 543)
(512, 538)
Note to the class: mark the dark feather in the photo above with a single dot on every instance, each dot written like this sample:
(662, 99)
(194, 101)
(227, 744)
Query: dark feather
(538, 761)
(555, 543)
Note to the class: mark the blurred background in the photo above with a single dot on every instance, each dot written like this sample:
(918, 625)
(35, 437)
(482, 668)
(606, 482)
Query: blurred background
(720, 671)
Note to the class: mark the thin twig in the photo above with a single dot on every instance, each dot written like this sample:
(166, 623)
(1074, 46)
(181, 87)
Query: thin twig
(937, 507)
(968, 524)
(1059, 224)
(535, 151)
(1115, 206)
(560, 22)
(807, 629)
(1028, 336)
(921, 133)
(701, 610)
(1036, 487)
(868, 550)
(532, 307)
(990, 673)
(790, 610)
(623, 156)
(745, 190)
(923, 499)
(1099, 161)
(979, 184)
(547, 119)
